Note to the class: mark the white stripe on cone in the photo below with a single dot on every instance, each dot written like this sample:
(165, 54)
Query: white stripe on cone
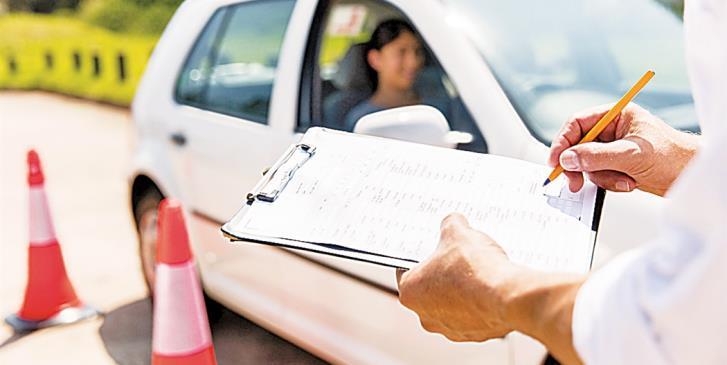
(177, 301)
(41, 227)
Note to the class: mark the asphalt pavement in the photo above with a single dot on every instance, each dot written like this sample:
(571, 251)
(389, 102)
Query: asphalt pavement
(84, 148)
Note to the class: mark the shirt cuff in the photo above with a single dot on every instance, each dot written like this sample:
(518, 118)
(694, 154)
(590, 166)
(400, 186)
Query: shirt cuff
(608, 324)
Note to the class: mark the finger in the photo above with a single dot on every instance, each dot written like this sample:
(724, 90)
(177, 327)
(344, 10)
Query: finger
(575, 180)
(454, 220)
(407, 289)
(459, 337)
(618, 155)
(431, 326)
(451, 228)
(455, 337)
(613, 180)
(400, 275)
(573, 131)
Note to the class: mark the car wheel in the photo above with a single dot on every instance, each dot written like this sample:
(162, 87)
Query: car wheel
(145, 215)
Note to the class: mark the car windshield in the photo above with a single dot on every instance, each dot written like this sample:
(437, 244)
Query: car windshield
(554, 58)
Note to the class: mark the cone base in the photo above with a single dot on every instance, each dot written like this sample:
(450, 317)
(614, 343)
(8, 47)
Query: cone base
(204, 357)
(64, 316)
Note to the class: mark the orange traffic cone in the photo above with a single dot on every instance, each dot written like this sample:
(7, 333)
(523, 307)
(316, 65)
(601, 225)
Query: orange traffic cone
(49, 296)
(181, 333)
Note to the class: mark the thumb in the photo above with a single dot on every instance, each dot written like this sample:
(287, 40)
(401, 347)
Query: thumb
(451, 229)
(619, 155)
(400, 275)
(453, 221)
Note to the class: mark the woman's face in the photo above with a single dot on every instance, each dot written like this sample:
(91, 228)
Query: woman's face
(398, 62)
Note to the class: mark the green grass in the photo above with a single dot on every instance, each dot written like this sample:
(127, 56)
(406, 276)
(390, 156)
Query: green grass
(28, 41)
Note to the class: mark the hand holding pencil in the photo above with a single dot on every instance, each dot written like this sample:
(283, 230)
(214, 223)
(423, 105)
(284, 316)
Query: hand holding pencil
(621, 148)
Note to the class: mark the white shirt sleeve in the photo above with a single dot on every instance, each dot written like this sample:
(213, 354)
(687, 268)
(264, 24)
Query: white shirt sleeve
(666, 303)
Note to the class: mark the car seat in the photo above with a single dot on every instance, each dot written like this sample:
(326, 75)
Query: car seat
(353, 86)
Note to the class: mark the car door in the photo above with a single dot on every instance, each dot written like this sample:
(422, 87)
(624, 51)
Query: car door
(326, 94)
(332, 85)
(223, 126)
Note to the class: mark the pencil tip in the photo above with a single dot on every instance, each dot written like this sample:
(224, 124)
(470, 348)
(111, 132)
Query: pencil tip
(547, 181)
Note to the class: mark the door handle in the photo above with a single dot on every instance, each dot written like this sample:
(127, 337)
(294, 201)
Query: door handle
(179, 139)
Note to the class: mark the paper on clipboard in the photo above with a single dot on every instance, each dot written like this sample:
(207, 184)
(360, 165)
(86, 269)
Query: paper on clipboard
(382, 201)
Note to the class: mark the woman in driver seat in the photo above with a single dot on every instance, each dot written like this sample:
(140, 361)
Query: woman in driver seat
(394, 56)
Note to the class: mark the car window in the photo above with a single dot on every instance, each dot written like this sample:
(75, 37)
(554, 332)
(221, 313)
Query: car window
(193, 77)
(231, 68)
(341, 80)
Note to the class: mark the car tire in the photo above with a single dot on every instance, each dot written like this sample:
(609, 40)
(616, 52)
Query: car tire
(145, 217)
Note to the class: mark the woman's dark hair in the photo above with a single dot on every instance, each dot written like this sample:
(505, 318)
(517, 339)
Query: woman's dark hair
(385, 33)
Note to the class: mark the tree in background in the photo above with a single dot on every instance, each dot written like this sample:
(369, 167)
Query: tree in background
(124, 16)
(41, 6)
(130, 16)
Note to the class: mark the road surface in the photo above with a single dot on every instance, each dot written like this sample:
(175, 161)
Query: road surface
(84, 148)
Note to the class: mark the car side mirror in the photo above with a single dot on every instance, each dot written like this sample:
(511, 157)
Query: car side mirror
(418, 123)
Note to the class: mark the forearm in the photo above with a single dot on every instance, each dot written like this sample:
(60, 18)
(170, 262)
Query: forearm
(541, 306)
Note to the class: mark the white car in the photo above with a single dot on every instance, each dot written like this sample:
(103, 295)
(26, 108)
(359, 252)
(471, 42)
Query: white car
(232, 83)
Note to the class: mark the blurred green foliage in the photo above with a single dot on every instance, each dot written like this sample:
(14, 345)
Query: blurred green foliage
(69, 56)
(40, 6)
(129, 16)
(95, 49)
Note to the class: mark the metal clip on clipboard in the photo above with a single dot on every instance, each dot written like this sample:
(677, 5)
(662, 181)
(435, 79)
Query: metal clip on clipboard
(280, 174)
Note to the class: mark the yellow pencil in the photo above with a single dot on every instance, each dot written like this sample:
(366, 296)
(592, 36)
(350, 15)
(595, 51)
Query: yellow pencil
(606, 119)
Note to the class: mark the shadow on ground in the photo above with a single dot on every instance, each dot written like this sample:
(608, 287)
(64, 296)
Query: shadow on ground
(126, 333)
(15, 337)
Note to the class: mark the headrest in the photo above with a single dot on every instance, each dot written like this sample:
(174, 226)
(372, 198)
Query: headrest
(352, 73)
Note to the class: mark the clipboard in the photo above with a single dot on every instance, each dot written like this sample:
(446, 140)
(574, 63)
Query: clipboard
(280, 179)
(274, 181)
